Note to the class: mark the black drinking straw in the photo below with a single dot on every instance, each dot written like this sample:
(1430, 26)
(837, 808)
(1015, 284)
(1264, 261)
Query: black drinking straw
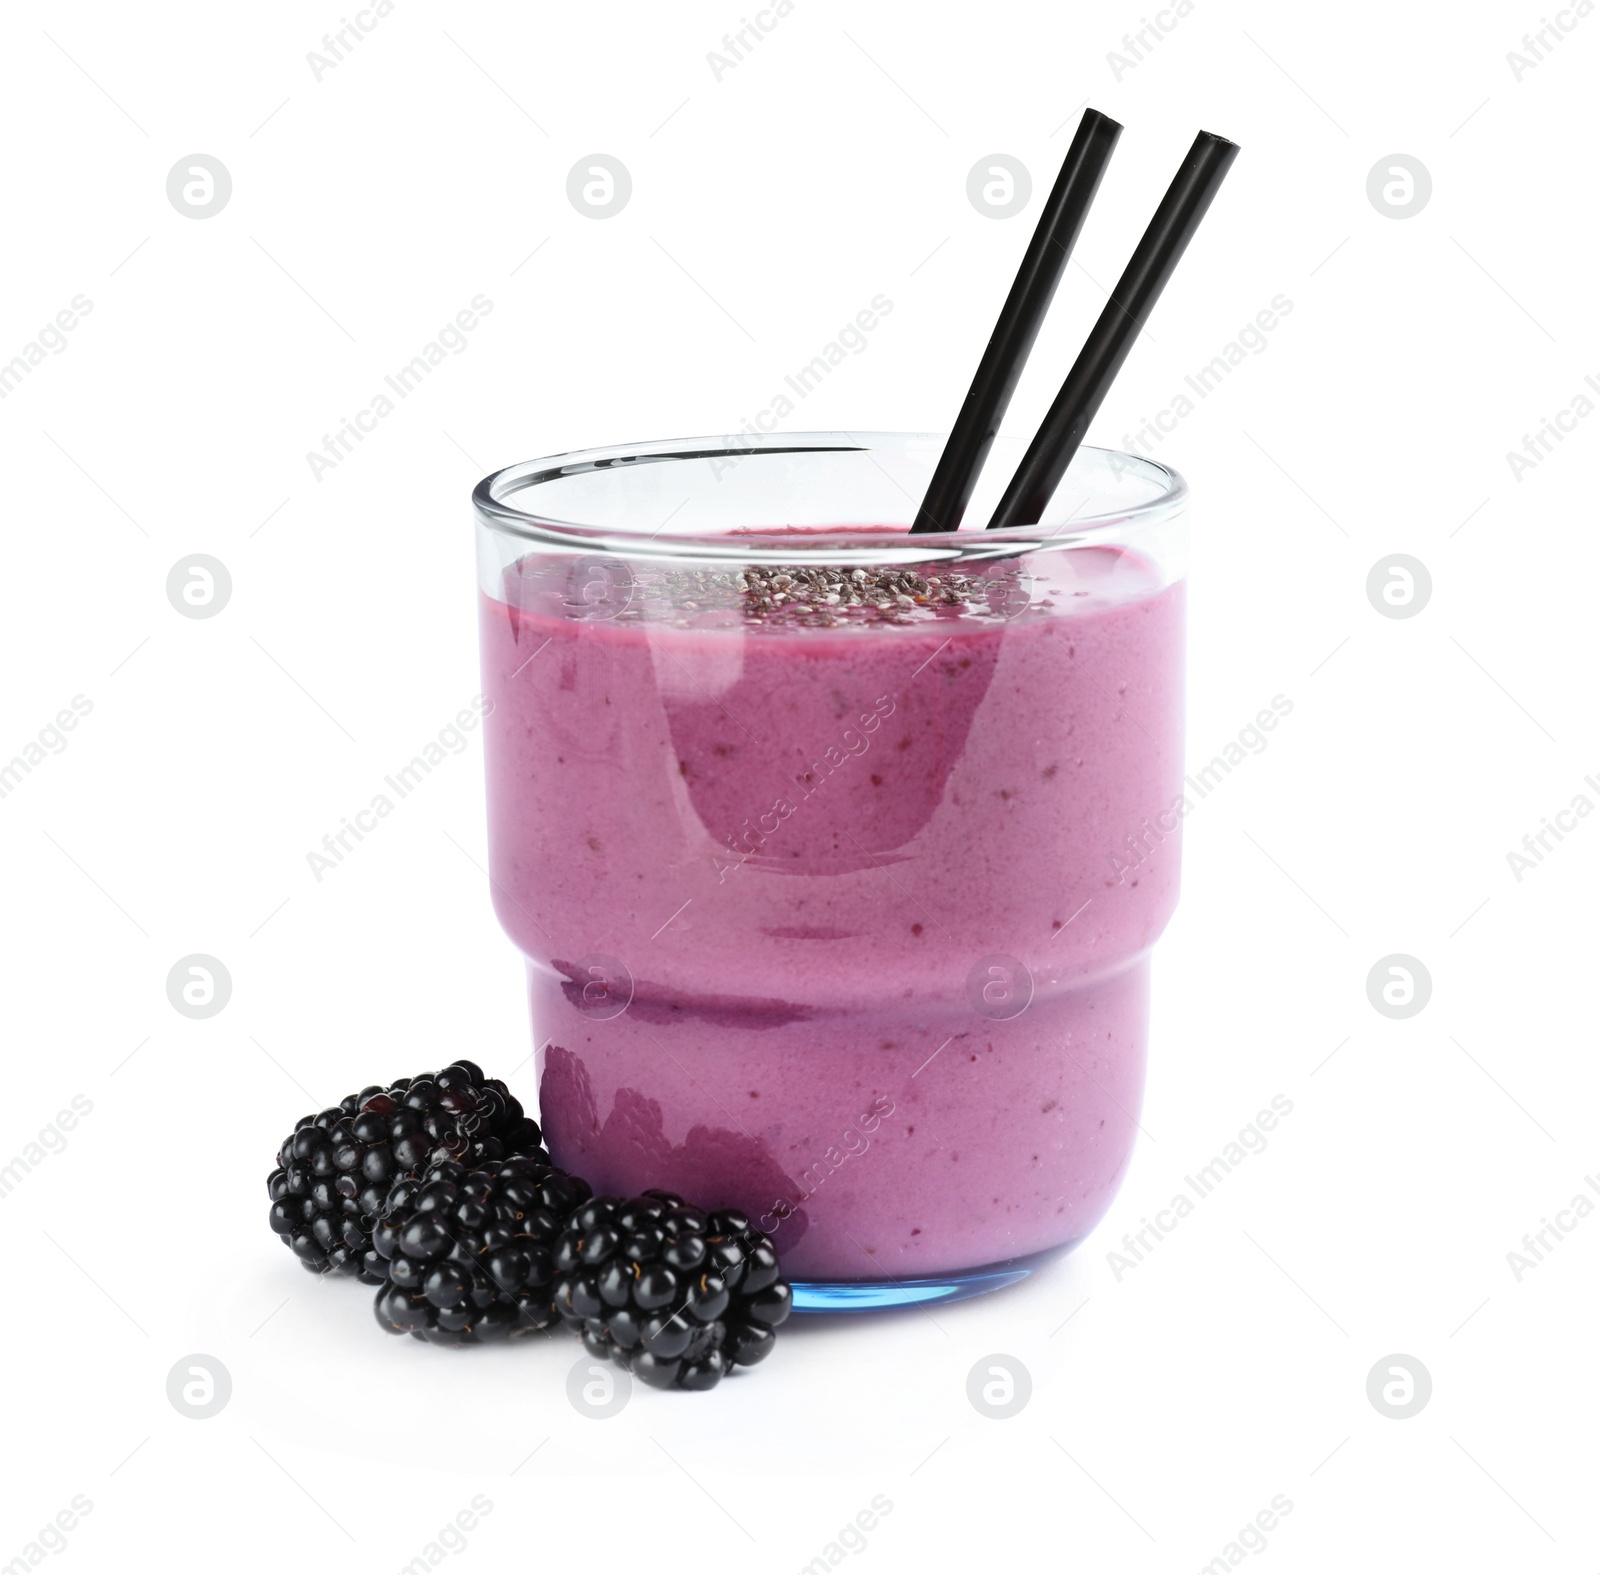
(1124, 317)
(1018, 325)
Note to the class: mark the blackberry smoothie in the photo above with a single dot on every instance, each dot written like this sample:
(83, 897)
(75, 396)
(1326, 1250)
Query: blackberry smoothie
(838, 885)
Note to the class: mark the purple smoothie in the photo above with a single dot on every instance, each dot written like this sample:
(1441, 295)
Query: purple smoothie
(762, 872)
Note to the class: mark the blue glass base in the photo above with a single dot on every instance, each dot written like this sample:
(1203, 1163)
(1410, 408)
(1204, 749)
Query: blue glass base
(833, 1296)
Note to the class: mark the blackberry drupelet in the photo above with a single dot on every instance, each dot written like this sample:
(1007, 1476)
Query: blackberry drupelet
(336, 1168)
(470, 1253)
(675, 1294)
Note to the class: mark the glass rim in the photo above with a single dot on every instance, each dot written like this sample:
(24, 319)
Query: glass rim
(492, 497)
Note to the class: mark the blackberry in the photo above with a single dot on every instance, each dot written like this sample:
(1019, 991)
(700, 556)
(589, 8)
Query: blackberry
(470, 1253)
(336, 1168)
(673, 1293)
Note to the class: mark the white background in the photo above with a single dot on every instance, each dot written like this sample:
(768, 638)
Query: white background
(368, 207)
